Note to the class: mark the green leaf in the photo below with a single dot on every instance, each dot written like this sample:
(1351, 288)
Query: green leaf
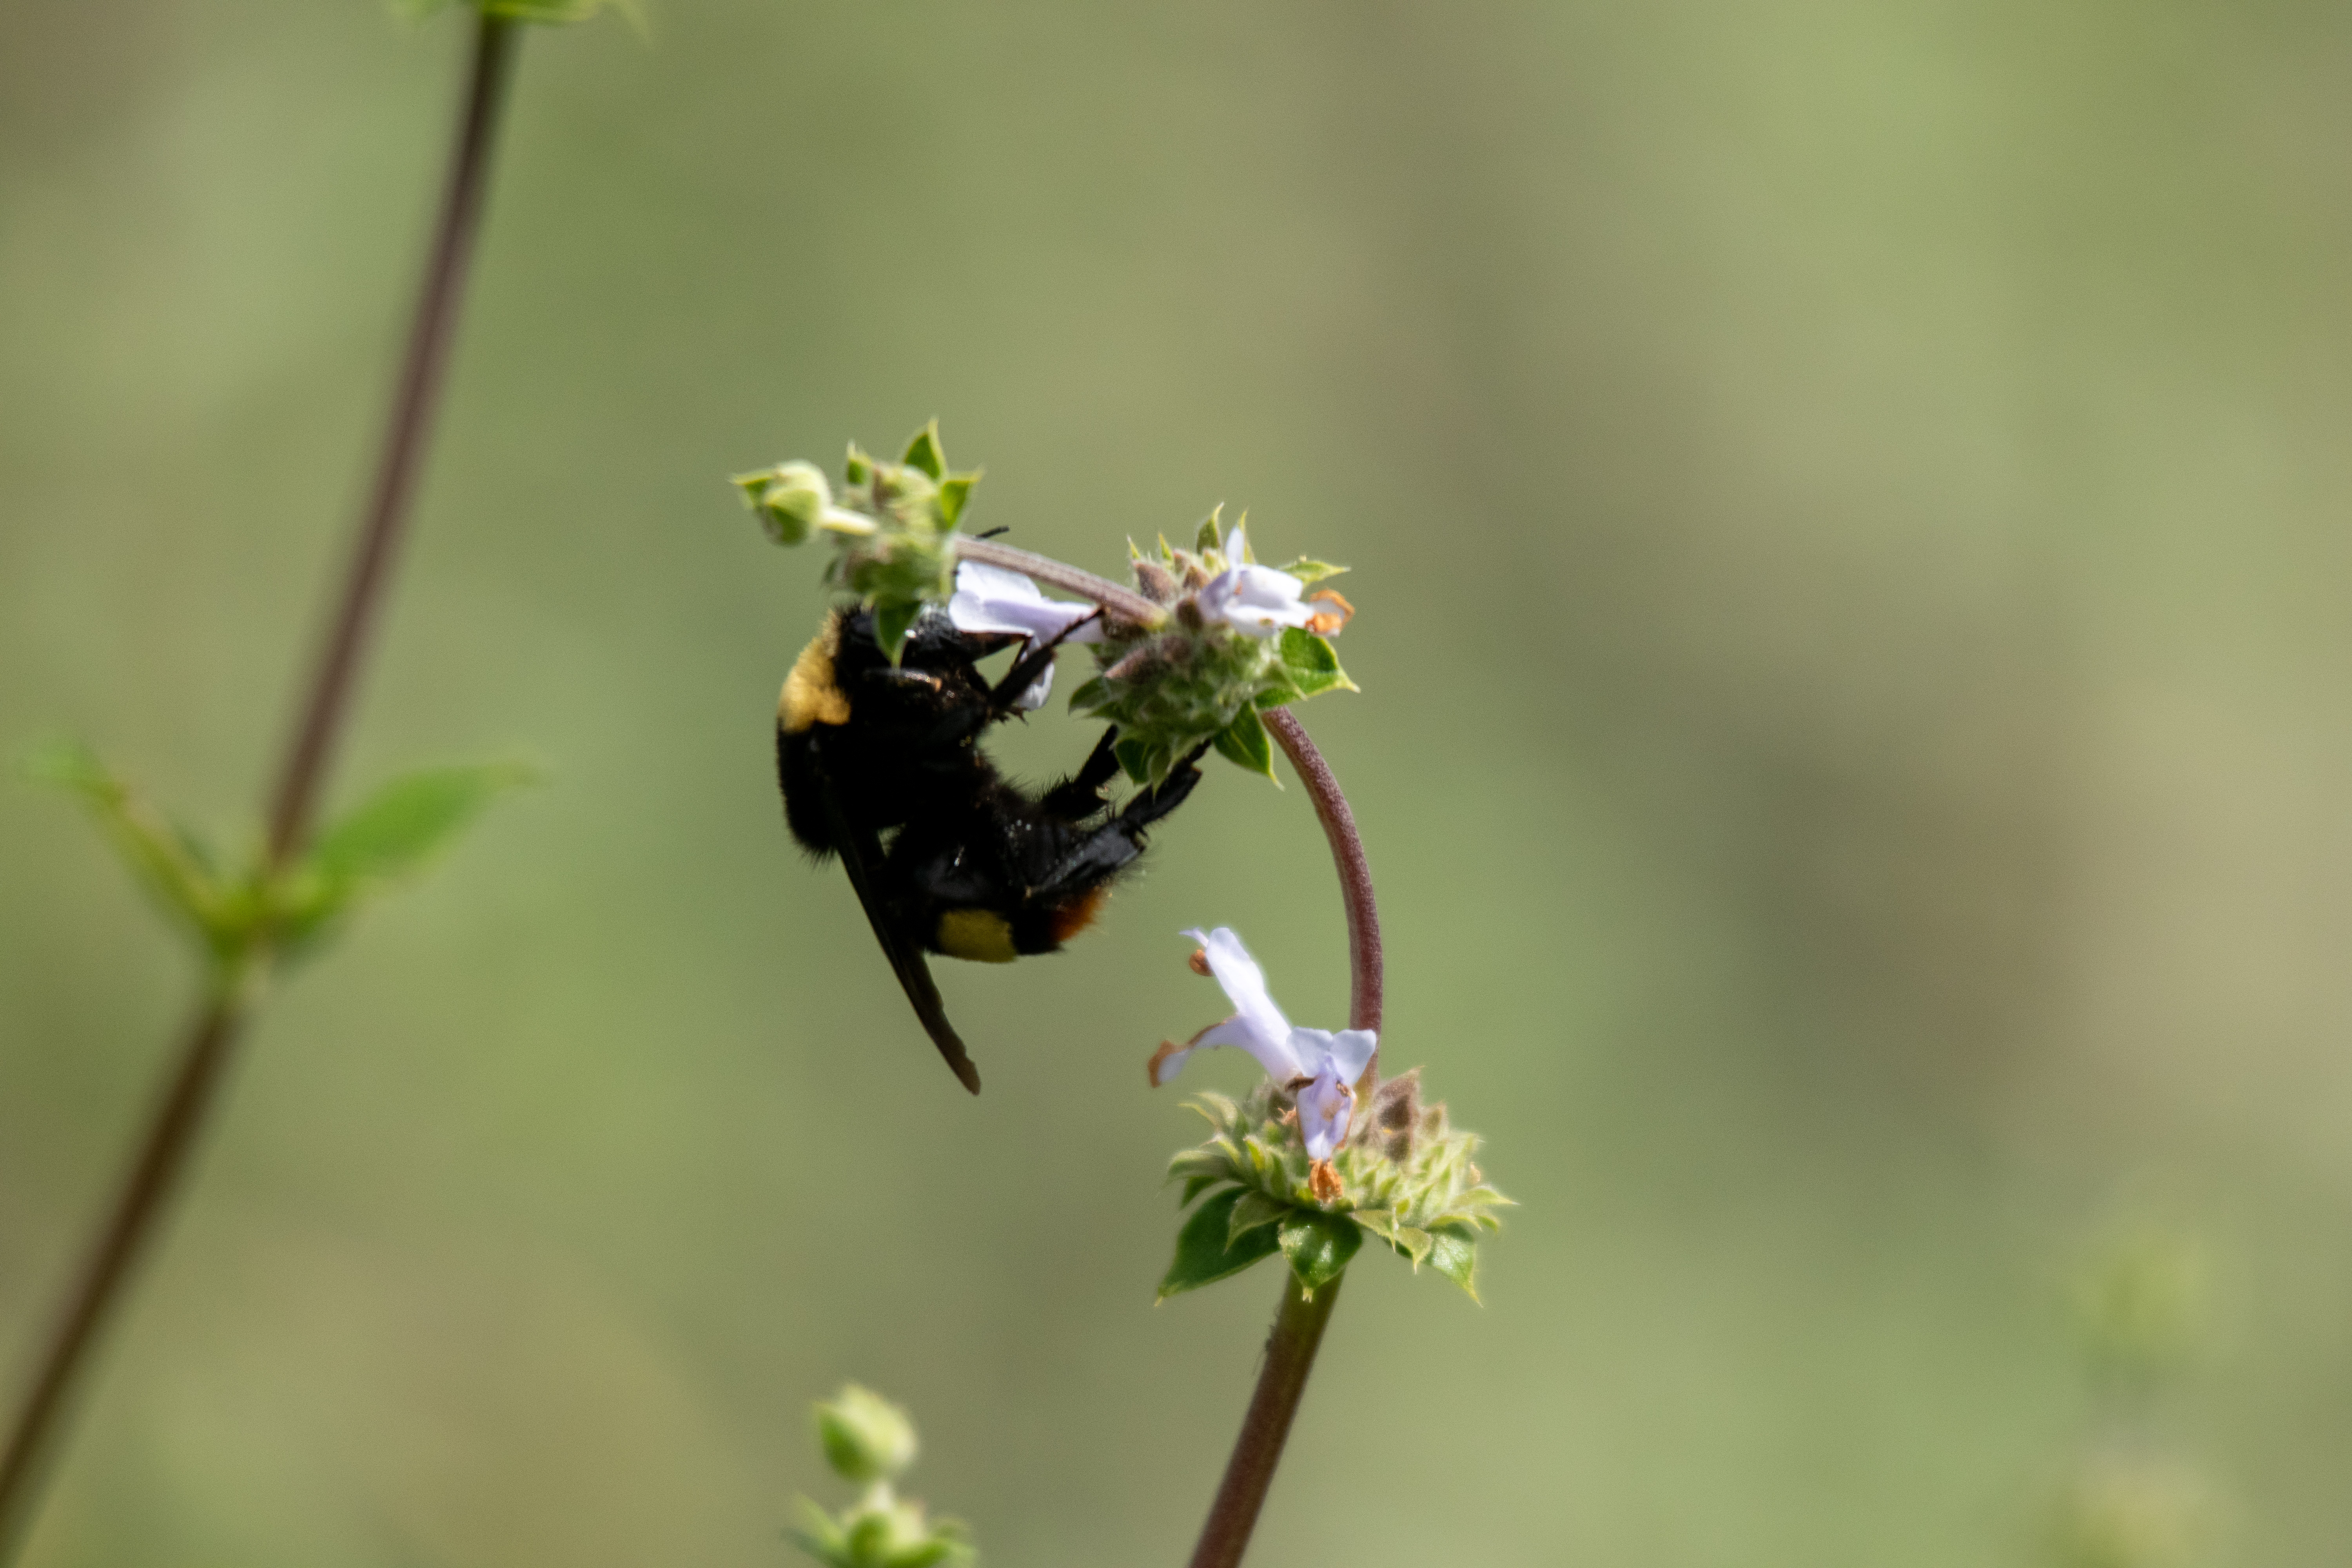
(1210, 536)
(892, 625)
(857, 468)
(391, 835)
(1193, 1187)
(955, 491)
(923, 452)
(1312, 663)
(1202, 1255)
(1308, 571)
(1254, 1210)
(1319, 1246)
(168, 862)
(403, 824)
(1092, 695)
(1135, 756)
(1454, 1252)
(1245, 741)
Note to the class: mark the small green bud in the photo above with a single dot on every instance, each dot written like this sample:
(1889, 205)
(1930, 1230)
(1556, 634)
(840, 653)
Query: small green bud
(894, 524)
(865, 1437)
(791, 499)
(870, 1441)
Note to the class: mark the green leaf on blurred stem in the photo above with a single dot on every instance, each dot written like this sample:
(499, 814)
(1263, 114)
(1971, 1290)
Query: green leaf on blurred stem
(923, 452)
(1245, 741)
(1193, 1187)
(1204, 1255)
(175, 867)
(1319, 1246)
(408, 821)
(1308, 571)
(1208, 537)
(391, 835)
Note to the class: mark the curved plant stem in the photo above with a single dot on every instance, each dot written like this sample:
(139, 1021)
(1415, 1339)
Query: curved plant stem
(1355, 871)
(209, 1046)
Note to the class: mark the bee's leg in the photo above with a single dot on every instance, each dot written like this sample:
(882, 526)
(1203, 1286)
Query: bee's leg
(1031, 665)
(1118, 841)
(1080, 794)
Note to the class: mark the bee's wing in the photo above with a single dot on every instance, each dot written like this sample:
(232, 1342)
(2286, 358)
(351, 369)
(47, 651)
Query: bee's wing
(861, 852)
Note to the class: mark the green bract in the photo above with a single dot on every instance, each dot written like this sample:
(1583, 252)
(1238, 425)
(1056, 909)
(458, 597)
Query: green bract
(1194, 678)
(869, 1440)
(1405, 1175)
(235, 913)
(894, 525)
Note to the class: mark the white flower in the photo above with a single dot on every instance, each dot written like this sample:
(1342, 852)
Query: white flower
(990, 599)
(1319, 1068)
(1261, 602)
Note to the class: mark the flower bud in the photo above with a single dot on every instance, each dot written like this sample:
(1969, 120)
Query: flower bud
(865, 1436)
(790, 498)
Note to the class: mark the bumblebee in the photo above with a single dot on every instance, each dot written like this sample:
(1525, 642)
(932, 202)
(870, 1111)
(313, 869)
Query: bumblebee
(881, 764)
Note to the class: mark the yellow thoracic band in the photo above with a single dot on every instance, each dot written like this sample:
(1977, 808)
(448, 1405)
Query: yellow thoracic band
(810, 697)
(981, 935)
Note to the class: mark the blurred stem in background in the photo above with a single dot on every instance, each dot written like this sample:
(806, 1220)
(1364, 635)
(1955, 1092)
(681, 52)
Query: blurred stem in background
(161, 1161)
(1298, 1324)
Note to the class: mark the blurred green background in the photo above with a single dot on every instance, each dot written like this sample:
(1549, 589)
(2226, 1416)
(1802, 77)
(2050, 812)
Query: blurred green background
(1849, 509)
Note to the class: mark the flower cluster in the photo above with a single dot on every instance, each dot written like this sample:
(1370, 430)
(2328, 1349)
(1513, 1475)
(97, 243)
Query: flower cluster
(894, 525)
(869, 1441)
(1239, 638)
(1298, 1166)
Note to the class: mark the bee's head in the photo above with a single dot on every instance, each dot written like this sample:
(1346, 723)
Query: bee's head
(934, 643)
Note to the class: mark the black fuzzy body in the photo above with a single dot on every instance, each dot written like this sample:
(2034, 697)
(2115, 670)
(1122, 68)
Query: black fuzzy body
(882, 766)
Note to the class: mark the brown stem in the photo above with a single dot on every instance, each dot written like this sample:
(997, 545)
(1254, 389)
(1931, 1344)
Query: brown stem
(162, 1159)
(414, 403)
(211, 1038)
(1355, 871)
(1289, 1356)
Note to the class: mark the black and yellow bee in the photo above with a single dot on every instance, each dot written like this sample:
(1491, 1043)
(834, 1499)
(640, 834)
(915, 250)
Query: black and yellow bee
(973, 867)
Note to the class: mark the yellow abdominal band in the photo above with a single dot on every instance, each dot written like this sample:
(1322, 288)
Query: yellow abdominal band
(981, 935)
